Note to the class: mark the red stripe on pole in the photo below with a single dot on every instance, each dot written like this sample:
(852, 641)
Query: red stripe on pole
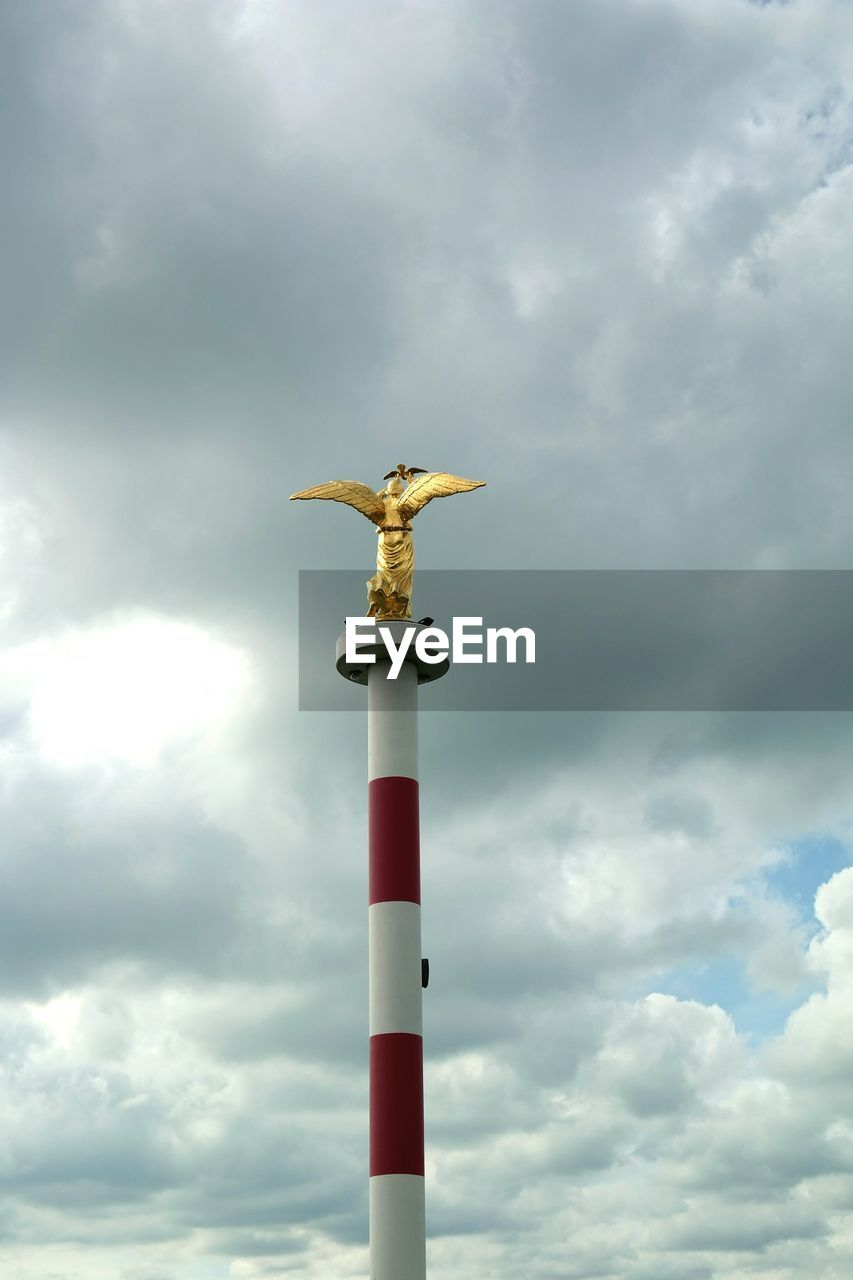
(395, 874)
(396, 1104)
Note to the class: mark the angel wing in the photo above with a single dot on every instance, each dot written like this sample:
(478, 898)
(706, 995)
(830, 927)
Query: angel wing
(435, 484)
(352, 492)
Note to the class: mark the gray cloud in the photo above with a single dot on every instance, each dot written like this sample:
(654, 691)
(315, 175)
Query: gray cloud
(598, 255)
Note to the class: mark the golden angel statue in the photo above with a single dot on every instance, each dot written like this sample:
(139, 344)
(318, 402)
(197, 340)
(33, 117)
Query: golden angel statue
(393, 508)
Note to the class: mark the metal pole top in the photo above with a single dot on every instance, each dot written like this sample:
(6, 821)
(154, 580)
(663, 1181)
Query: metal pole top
(357, 672)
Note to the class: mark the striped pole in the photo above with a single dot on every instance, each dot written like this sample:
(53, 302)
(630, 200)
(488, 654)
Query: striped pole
(396, 1202)
(397, 1221)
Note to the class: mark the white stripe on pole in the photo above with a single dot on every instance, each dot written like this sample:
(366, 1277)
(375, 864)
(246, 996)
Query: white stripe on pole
(397, 1227)
(392, 723)
(396, 993)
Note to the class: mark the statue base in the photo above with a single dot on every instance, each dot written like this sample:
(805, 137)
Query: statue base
(357, 672)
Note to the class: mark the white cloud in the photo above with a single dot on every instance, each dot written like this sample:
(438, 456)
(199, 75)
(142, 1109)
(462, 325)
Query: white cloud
(123, 690)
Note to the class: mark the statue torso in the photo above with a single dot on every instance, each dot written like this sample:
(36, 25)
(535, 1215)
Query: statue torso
(392, 515)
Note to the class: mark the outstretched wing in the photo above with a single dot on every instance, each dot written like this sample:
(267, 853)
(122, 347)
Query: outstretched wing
(435, 484)
(352, 492)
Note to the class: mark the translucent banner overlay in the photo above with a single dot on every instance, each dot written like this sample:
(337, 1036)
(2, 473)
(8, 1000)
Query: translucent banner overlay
(612, 640)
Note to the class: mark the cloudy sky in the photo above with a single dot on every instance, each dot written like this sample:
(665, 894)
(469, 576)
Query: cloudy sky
(598, 254)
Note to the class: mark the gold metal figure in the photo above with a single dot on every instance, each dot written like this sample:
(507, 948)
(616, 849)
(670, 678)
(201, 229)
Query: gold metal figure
(393, 508)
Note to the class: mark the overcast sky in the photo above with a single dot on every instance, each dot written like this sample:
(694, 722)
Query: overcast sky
(598, 253)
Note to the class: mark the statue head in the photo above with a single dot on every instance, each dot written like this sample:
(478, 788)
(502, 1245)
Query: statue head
(394, 487)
